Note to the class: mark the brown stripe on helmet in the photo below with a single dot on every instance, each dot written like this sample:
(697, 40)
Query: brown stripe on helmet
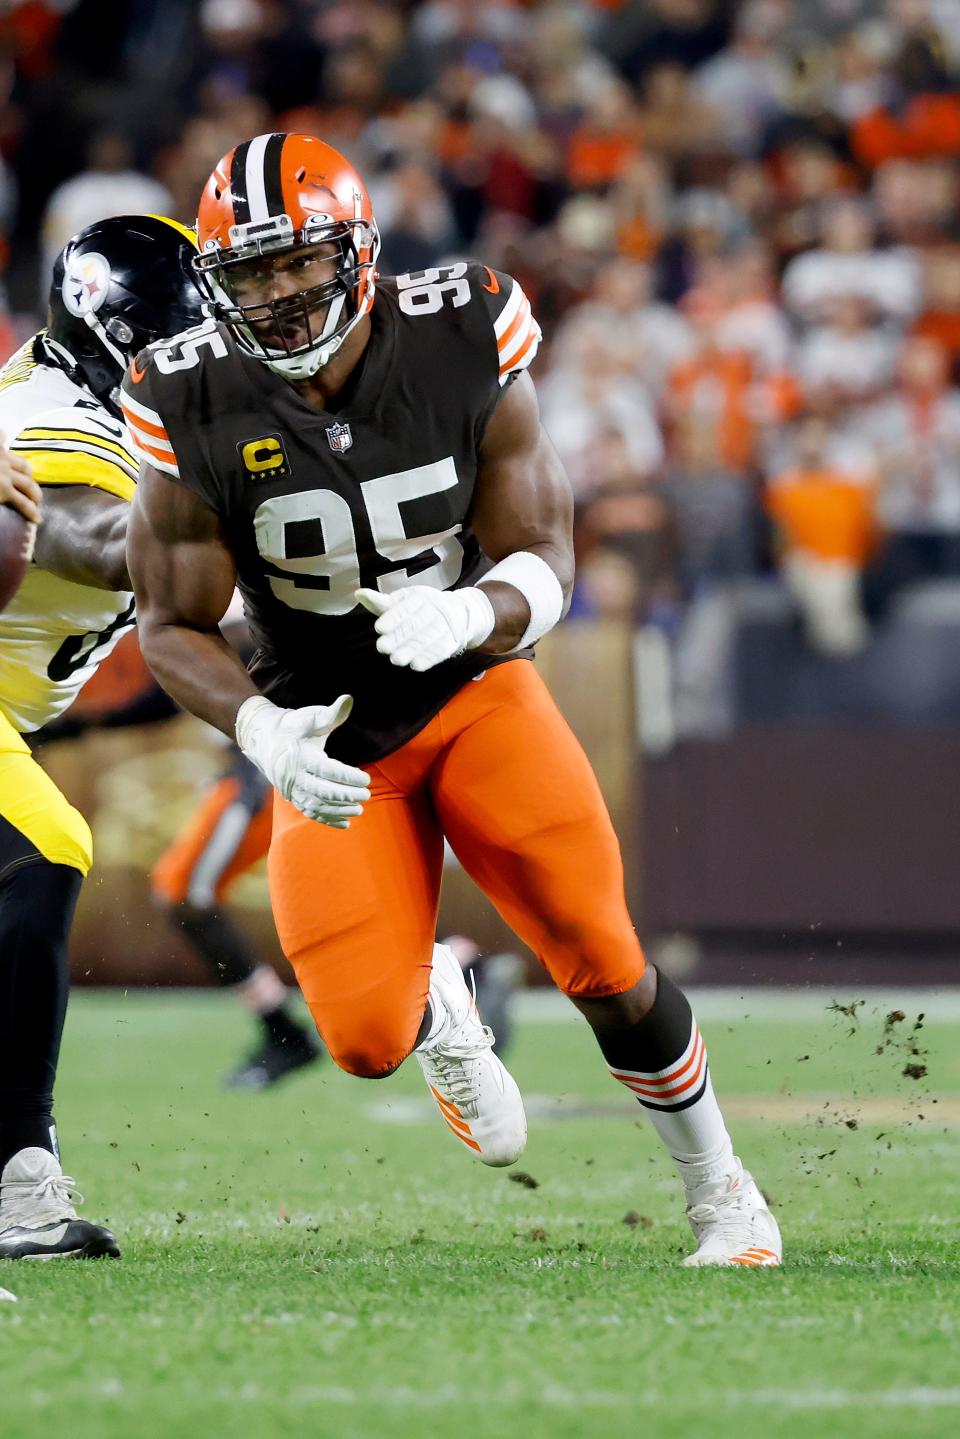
(272, 174)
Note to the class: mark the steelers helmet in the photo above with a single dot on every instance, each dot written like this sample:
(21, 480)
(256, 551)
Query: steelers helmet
(117, 286)
(271, 196)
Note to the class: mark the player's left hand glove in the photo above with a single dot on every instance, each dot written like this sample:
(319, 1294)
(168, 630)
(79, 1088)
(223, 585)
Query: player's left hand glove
(421, 627)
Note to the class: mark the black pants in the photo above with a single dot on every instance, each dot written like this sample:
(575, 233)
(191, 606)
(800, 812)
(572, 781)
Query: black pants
(37, 903)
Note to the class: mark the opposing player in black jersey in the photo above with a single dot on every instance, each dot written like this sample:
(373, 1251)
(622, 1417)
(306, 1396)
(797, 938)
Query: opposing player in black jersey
(364, 458)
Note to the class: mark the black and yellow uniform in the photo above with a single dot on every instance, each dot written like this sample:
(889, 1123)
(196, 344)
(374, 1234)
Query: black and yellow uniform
(53, 635)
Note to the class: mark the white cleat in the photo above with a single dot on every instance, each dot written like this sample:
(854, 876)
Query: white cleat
(732, 1225)
(475, 1093)
(37, 1217)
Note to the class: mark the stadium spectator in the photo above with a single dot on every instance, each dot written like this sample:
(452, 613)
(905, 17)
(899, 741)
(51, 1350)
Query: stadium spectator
(746, 83)
(849, 361)
(846, 263)
(826, 530)
(916, 436)
(110, 185)
(713, 512)
(654, 337)
(646, 33)
(922, 116)
(591, 398)
(940, 318)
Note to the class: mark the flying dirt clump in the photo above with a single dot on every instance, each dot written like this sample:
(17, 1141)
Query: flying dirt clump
(905, 1044)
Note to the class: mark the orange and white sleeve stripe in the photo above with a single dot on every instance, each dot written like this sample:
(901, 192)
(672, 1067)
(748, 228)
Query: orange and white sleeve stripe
(517, 332)
(674, 1088)
(149, 435)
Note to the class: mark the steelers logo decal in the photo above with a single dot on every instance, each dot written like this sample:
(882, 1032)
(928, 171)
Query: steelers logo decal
(85, 284)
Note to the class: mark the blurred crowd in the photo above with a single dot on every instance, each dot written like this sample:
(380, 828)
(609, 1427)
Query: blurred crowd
(737, 223)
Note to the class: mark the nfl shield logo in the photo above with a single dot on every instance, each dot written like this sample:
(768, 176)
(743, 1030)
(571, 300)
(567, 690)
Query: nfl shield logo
(340, 438)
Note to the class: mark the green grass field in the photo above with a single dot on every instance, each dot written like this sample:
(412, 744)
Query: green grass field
(325, 1260)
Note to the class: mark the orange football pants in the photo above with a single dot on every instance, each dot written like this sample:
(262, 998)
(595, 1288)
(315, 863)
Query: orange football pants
(499, 773)
(220, 842)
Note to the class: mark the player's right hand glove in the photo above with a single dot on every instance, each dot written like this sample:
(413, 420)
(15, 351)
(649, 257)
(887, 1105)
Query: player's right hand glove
(289, 747)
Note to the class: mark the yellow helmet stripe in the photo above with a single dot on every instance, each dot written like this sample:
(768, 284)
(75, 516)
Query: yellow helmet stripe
(185, 231)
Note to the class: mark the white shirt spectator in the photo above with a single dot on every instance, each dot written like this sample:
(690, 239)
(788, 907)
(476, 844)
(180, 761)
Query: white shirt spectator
(855, 364)
(757, 328)
(578, 409)
(652, 339)
(97, 195)
(745, 91)
(917, 450)
(889, 280)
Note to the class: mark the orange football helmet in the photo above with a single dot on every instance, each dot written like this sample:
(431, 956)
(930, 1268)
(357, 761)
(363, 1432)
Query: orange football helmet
(270, 196)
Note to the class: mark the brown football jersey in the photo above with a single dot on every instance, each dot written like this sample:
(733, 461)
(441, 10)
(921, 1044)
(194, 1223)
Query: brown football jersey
(377, 493)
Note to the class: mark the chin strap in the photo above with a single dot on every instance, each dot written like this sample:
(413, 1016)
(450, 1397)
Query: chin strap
(302, 367)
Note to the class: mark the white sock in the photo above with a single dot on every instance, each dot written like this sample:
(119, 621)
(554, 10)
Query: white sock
(684, 1111)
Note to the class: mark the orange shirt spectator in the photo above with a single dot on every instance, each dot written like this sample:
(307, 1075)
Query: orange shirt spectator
(929, 125)
(598, 157)
(825, 513)
(714, 389)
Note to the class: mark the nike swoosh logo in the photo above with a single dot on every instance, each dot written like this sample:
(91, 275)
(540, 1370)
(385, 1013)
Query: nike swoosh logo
(136, 374)
(494, 286)
(48, 1235)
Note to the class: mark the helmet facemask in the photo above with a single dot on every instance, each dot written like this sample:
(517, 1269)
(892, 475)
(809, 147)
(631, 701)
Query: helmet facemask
(297, 334)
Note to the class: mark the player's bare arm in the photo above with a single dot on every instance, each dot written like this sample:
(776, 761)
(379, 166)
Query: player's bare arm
(183, 577)
(523, 502)
(84, 537)
(18, 487)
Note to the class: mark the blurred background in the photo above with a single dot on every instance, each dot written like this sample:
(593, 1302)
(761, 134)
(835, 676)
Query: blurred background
(738, 225)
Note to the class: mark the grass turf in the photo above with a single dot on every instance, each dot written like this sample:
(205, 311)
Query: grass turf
(325, 1260)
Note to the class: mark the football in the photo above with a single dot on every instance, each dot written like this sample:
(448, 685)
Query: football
(17, 536)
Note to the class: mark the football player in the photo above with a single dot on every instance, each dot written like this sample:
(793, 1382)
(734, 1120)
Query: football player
(364, 457)
(116, 286)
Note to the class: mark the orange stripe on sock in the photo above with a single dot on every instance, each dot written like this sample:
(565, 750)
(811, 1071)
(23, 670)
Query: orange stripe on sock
(645, 1091)
(670, 1075)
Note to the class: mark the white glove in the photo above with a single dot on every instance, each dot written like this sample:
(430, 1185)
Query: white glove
(288, 746)
(421, 627)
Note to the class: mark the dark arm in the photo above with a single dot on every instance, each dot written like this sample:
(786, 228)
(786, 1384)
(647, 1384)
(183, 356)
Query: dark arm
(83, 536)
(523, 501)
(183, 577)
